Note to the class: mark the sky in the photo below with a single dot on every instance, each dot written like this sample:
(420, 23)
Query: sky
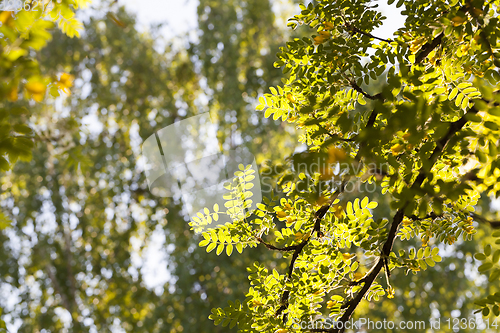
(180, 15)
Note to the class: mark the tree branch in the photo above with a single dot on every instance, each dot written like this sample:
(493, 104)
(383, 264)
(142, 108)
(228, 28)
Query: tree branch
(286, 293)
(398, 218)
(493, 223)
(319, 215)
(431, 215)
(356, 30)
(359, 90)
(272, 247)
(335, 136)
(428, 48)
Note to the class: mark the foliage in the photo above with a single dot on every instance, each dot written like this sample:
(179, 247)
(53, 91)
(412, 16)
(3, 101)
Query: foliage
(80, 224)
(428, 138)
(24, 31)
(79, 236)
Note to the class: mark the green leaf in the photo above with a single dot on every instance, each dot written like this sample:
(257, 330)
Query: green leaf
(480, 256)
(4, 165)
(459, 98)
(21, 128)
(229, 249)
(495, 257)
(220, 248)
(211, 247)
(4, 221)
(487, 250)
(485, 267)
(494, 275)
(440, 90)
(486, 311)
(437, 258)
(430, 262)
(269, 111)
(491, 125)
(204, 242)
(420, 253)
(453, 93)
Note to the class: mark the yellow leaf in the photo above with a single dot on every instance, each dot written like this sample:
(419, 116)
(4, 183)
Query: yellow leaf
(321, 200)
(326, 173)
(458, 20)
(38, 97)
(300, 236)
(348, 256)
(328, 25)
(65, 82)
(281, 214)
(318, 40)
(7, 18)
(335, 155)
(12, 94)
(416, 44)
(396, 149)
(255, 303)
(35, 87)
(36, 90)
(330, 304)
(407, 221)
(477, 11)
(319, 292)
(66, 79)
(82, 3)
(338, 211)
(390, 292)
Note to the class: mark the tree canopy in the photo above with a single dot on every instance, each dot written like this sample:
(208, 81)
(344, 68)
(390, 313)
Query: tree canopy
(427, 137)
(377, 160)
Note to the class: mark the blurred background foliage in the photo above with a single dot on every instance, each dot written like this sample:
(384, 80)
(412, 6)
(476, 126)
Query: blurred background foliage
(84, 246)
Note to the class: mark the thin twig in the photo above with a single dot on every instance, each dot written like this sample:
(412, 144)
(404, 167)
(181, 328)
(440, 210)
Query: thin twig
(428, 48)
(355, 29)
(359, 90)
(493, 223)
(272, 247)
